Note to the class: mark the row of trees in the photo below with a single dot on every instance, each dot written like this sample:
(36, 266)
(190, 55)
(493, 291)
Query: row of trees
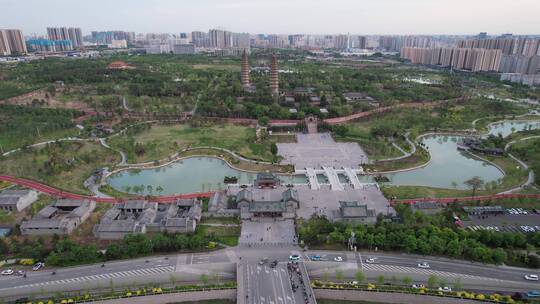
(424, 235)
(66, 252)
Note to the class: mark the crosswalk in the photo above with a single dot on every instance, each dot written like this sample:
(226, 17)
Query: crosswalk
(404, 269)
(106, 276)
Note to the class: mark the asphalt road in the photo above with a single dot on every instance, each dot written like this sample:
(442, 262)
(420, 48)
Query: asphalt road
(160, 268)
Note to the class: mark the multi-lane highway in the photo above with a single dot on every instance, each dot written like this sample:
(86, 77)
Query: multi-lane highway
(222, 263)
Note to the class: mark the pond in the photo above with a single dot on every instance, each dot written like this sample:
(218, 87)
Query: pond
(448, 168)
(508, 127)
(196, 174)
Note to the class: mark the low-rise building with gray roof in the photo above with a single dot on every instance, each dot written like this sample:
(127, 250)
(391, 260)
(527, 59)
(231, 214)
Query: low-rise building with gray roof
(61, 217)
(355, 213)
(277, 203)
(139, 216)
(17, 200)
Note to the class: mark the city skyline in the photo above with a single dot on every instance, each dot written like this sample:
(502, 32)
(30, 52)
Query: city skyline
(384, 17)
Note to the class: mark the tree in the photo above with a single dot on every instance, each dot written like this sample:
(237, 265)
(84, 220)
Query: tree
(339, 275)
(380, 280)
(263, 121)
(407, 280)
(274, 149)
(457, 284)
(432, 281)
(204, 278)
(360, 276)
(474, 183)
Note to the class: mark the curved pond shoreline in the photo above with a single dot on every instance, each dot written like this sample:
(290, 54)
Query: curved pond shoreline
(438, 171)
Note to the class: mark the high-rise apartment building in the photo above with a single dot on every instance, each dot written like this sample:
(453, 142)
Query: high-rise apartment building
(4, 44)
(476, 60)
(241, 40)
(199, 39)
(217, 38)
(341, 42)
(73, 34)
(12, 42)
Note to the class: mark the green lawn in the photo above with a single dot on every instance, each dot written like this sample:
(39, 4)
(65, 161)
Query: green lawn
(226, 235)
(64, 165)
(162, 141)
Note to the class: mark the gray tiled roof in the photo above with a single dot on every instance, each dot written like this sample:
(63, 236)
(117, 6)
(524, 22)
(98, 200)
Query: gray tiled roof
(267, 206)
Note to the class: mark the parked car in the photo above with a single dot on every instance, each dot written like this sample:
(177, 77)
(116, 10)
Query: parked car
(274, 264)
(531, 277)
(38, 266)
(294, 257)
(8, 271)
(263, 261)
(423, 265)
(418, 286)
(445, 289)
(338, 259)
(20, 273)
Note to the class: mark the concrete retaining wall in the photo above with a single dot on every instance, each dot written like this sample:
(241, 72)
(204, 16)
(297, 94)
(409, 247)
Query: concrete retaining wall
(193, 296)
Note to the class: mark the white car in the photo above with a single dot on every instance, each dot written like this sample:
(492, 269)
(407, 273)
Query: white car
(445, 289)
(338, 259)
(423, 265)
(370, 260)
(38, 266)
(294, 257)
(8, 271)
(531, 277)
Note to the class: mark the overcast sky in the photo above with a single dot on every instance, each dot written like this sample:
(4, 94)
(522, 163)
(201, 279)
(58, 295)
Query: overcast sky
(277, 16)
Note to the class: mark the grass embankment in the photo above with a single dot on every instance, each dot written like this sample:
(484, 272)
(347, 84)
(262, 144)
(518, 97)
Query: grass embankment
(65, 165)
(161, 141)
(420, 157)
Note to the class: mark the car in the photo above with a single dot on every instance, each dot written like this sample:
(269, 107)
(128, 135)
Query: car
(294, 257)
(315, 258)
(445, 289)
(533, 294)
(338, 259)
(531, 277)
(8, 271)
(273, 264)
(418, 286)
(263, 261)
(20, 273)
(423, 265)
(38, 266)
(370, 260)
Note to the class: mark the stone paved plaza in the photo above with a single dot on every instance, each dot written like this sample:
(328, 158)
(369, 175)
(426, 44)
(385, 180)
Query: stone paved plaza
(268, 232)
(317, 150)
(326, 202)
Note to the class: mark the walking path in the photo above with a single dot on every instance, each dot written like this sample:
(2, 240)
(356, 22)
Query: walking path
(312, 177)
(46, 189)
(531, 177)
(333, 178)
(353, 178)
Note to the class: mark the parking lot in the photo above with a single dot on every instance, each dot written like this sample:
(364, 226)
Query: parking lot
(512, 220)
